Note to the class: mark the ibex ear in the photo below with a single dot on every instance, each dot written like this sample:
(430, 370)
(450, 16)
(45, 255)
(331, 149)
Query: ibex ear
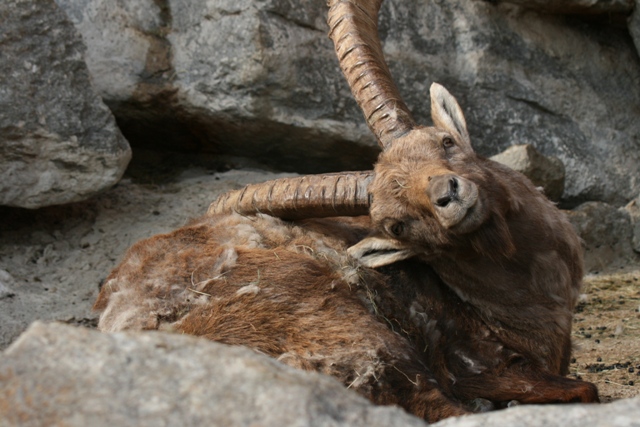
(446, 113)
(376, 251)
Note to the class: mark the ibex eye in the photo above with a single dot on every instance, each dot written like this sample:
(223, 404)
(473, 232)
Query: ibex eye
(448, 142)
(397, 228)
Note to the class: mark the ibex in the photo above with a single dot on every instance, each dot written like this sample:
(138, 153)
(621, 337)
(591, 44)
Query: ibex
(459, 284)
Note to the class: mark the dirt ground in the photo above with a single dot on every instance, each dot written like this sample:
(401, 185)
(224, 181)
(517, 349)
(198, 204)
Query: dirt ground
(606, 333)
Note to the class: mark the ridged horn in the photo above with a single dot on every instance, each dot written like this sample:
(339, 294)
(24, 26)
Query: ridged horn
(310, 196)
(354, 30)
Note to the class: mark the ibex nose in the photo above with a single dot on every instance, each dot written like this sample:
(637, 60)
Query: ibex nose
(443, 189)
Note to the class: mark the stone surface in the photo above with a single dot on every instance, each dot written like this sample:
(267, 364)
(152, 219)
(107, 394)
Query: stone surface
(260, 79)
(577, 6)
(58, 141)
(623, 413)
(7, 283)
(62, 375)
(248, 78)
(634, 25)
(543, 171)
(121, 34)
(633, 208)
(607, 235)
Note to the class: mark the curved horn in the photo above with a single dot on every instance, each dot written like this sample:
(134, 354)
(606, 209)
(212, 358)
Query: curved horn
(354, 30)
(311, 196)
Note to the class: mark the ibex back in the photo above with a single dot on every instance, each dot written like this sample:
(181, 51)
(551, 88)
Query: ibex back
(460, 284)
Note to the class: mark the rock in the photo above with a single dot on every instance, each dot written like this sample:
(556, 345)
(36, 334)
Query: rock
(7, 282)
(509, 69)
(121, 35)
(633, 208)
(577, 6)
(62, 375)
(545, 172)
(260, 79)
(59, 141)
(607, 235)
(623, 413)
(240, 78)
(634, 25)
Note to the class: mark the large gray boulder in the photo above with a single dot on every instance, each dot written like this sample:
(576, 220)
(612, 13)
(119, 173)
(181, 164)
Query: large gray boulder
(62, 375)
(607, 233)
(633, 209)
(248, 78)
(577, 6)
(623, 413)
(545, 172)
(58, 141)
(260, 79)
(634, 25)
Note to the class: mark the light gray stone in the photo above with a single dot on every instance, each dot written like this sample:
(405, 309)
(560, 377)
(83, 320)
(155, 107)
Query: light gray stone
(529, 78)
(260, 79)
(623, 413)
(7, 283)
(58, 141)
(62, 375)
(633, 208)
(634, 25)
(577, 6)
(607, 234)
(543, 171)
(121, 35)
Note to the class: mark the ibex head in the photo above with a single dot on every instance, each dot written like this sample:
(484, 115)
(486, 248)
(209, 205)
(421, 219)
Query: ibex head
(415, 199)
(425, 189)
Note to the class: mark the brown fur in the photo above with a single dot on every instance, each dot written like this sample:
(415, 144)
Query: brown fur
(285, 291)
(520, 267)
(289, 291)
(475, 278)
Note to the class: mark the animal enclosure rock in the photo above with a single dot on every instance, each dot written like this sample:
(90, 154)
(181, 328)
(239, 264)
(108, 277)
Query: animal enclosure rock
(524, 77)
(7, 282)
(260, 79)
(543, 171)
(634, 25)
(121, 36)
(607, 234)
(61, 375)
(577, 6)
(623, 413)
(58, 141)
(249, 78)
(633, 208)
